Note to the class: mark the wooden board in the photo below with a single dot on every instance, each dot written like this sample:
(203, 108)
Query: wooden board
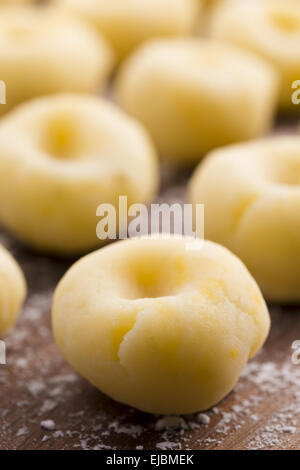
(263, 411)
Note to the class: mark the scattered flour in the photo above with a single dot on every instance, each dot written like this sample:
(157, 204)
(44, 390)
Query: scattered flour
(130, 430)
(48, 424)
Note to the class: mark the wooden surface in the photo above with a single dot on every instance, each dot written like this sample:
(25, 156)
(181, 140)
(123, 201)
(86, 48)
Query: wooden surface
(263, 411)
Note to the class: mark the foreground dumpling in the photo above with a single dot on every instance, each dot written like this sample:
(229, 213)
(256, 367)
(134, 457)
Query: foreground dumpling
(158, 327)
(270, 28)
(127, 24)
(9, 3)
(60, 158)
(43, 53)
(251, 194)
(12, 290)
(194, 95)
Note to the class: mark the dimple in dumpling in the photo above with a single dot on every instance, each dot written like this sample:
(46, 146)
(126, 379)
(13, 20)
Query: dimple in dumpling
(194, 95)
(12, 290)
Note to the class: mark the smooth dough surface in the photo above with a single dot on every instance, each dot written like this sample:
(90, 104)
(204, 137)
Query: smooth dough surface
(128, 23)
(158, 327)
(43, 52)
(12, 290)
(72, 153)
(270, 28)
(251, 194)
(194, 95)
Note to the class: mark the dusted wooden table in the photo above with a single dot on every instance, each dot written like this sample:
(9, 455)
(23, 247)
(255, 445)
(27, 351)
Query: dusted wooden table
(36, 385)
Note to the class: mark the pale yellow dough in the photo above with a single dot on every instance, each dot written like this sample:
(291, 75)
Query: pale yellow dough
(43, 53)
(251, 194)
(128, 23)
(194, 95)
(158, 327)
(12, 290)
(62, 156)
(270, 28)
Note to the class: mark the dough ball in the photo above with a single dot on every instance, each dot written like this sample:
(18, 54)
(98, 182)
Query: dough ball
(270, 28)
(60, 158)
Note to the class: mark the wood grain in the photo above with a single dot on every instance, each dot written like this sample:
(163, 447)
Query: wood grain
(263, 411)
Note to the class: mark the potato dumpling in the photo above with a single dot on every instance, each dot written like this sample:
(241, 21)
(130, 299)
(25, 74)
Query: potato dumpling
(194, 95)
(62, 156)
(251, 194)
(43, 53)
(270, 28)
(158, 327)
(12, 290)
(128, 23)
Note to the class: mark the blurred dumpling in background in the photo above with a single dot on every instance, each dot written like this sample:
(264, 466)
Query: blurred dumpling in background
(204, 17)
(211, 2)
(252, 205)
(44, 52)
(12, 290)
(196, 94)
(60, 157)
(128, 23)
(270, 28)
